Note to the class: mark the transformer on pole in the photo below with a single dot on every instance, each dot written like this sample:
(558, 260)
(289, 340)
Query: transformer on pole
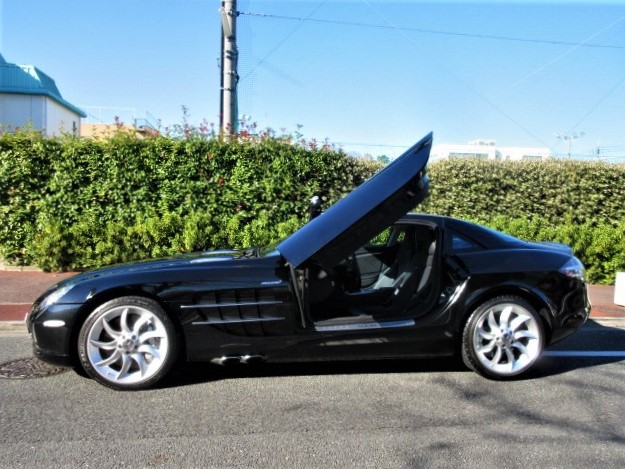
(228, 122)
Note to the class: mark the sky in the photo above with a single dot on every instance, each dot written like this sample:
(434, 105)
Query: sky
(370, 76)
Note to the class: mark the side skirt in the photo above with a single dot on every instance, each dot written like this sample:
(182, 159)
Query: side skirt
(325, 326)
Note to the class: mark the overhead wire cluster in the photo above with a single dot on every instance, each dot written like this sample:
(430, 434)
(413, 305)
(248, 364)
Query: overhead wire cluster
(615, 152)
(308, 19)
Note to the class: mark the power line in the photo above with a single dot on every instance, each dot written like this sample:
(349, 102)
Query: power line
(620, 147)
(403, 31)
(598, 103)
(567, 52)
(362, 144)
(432, 31)
(284, 39)
(453, 74)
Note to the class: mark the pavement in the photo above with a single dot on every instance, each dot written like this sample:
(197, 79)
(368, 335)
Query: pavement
(20, 288)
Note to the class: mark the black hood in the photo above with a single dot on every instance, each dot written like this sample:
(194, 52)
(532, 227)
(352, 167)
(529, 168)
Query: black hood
(168, 263)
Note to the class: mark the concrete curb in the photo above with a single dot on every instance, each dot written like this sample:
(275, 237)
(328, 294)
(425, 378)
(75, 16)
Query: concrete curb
(17, 268)
(609, 321)
(13, 326)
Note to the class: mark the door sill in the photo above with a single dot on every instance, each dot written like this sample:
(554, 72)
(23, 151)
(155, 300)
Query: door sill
(359, 323)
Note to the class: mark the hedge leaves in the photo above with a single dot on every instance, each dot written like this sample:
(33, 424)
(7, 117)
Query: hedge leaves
(70, 203)
(77, 203)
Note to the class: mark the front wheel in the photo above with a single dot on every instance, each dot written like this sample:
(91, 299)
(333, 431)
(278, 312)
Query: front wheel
(127, 343)
(503, 338)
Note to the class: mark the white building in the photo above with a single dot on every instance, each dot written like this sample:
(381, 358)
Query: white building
(29, 97)
(488, 150)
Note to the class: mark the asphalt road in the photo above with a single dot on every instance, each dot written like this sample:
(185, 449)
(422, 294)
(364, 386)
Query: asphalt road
(384, 414)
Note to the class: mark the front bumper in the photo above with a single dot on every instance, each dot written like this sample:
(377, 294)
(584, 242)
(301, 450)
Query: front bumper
(51, 331)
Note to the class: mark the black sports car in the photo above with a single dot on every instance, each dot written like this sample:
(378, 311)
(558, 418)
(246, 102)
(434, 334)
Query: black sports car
(363, 280)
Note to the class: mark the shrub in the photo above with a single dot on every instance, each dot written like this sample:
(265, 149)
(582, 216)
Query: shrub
(556, 191)
(600, 246)
(572, 202)
(72, 203)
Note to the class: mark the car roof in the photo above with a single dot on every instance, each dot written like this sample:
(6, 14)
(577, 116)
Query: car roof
(381, 200)
(484, 235)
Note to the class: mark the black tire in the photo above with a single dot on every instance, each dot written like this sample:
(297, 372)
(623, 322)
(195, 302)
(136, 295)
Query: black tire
(503, 338)
(128, 343)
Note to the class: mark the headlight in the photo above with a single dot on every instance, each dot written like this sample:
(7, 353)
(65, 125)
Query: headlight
(55, 296)
(574, 269)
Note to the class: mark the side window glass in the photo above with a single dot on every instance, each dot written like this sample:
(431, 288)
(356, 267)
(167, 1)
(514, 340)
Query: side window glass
(462, 243)
(381, 239)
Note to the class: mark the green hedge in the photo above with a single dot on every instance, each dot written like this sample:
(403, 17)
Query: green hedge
(70, 203)
(557, 191)
(576, 203)
(74, 203)
(600, 245)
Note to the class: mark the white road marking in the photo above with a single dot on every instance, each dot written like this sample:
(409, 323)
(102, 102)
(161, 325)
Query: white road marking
(585, 353)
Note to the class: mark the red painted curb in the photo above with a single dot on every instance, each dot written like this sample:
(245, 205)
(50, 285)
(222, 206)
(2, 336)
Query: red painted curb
(607, 311)
(14, 312)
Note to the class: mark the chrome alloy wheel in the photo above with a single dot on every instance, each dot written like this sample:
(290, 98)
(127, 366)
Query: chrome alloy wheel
(506, 338)
(127, 345)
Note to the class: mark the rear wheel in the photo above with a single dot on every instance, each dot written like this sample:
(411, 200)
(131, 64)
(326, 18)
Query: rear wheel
(128, 343)
(503, 338)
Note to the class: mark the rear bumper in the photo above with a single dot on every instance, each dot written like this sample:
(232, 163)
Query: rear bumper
(573, 312)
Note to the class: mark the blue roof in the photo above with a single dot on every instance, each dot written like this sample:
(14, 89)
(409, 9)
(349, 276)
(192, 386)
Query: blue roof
(28, 79)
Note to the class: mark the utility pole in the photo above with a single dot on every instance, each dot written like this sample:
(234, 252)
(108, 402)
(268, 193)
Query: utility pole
(569, 139)
(228, 121)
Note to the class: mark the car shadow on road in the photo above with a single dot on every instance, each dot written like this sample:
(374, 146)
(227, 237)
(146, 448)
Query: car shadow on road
(196, 373)
(593, 338)
(595, 345)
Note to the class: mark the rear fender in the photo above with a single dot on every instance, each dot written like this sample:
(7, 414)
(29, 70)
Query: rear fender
(539, 301)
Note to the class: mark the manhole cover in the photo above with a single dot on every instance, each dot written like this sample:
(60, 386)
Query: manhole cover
(24, 368)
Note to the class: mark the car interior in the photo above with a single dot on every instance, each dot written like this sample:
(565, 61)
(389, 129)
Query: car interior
(392, 277)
